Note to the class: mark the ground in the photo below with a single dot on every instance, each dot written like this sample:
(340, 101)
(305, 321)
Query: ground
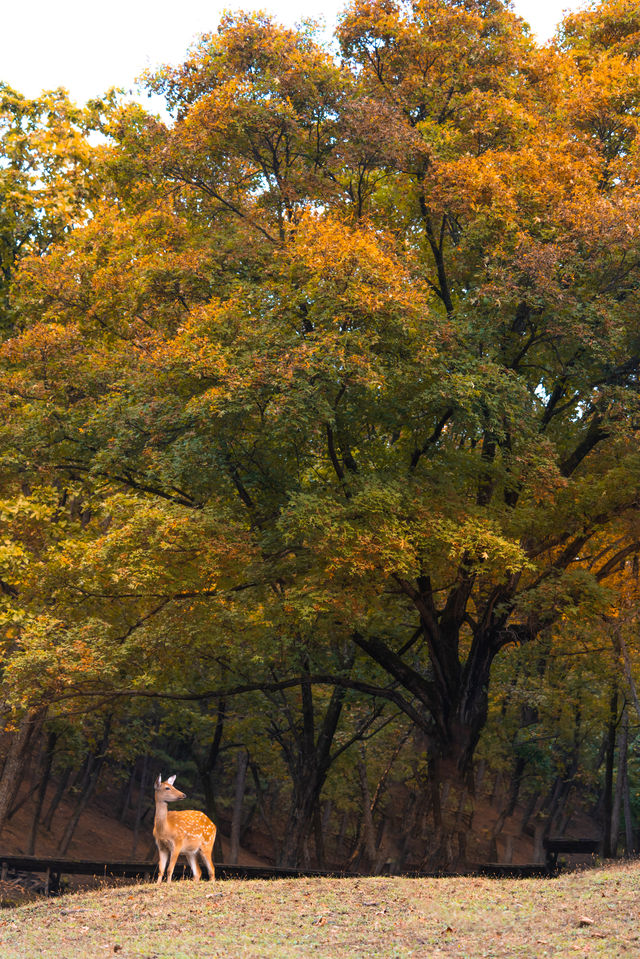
(594, 913)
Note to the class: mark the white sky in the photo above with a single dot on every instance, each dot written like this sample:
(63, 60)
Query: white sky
(88, 46)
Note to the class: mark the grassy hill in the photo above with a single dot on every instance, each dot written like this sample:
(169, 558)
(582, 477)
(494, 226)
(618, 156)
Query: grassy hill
(591, 913)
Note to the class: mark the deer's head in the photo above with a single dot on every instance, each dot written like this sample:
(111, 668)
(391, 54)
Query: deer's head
(166, 791)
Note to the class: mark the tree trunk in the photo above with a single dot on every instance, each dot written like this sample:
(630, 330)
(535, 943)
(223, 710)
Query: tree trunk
(207, 768)
(140, 803)
(610, 756)
(621, 648)
(61, 788)
(300, 822)
(236, 820)
(319, 831)
(46, 775)
(620, 778)
(514, 792)
(309, 761)
(16, 758)
(342, 832)
(260, 804)
(126, 794)
(19, 803)
(368, 831)
(94, 768)
(453, 702)
(529, 811)
(628, 819)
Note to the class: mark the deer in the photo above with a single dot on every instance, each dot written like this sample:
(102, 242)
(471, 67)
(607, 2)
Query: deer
(189, 832)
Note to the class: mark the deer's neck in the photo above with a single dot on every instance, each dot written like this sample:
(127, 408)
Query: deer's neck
(162, 811)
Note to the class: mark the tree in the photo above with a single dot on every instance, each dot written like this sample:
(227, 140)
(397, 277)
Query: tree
(45, 177)
(350, 353)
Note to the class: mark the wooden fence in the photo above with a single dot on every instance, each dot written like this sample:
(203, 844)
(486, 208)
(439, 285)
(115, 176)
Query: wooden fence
(53, 869)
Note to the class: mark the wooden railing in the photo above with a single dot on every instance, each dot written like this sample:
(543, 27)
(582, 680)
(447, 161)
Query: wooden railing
(53, 869)
(555, 847)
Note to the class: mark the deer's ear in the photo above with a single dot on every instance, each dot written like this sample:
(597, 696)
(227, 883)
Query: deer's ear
(158, 782)
(171, 780)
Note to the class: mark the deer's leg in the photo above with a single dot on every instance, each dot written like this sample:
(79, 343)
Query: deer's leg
(193, 862)
(175, 852)
(163, 855)
(206, 853)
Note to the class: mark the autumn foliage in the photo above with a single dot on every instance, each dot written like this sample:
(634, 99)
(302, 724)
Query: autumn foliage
(324, 388)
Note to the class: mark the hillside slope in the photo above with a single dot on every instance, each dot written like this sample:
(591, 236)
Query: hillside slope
(592, 913)
(99, 833)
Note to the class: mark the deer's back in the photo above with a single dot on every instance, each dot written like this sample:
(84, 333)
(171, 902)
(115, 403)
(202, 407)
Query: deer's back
(192, 824)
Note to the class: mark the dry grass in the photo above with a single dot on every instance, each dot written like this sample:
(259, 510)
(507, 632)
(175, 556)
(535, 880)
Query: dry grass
(594, 913)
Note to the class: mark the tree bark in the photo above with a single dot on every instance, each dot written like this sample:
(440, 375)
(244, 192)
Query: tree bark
(368, 831)
(620, 642)
(236, 820)
(140, 803)
(628, 819)
(46, 775)
(206, 765)
(309, 761)
(126, 794)
(608, 775)
(94, 768)
(260, 804)
(61, 788)
(623, 738)
(16, 758)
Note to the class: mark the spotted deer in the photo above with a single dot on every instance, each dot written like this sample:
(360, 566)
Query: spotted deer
(189, 832)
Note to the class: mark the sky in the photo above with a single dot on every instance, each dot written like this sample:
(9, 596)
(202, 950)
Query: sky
(88, 46)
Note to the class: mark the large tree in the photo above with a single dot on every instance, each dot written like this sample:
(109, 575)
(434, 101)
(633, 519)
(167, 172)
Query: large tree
(349, 354)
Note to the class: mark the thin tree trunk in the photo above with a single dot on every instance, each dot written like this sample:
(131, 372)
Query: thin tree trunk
(46, 775)
(260, 803)
(83, 799)
(61, 788)
(236, 820)
(94, 768)
(140, 802)
(322, 829)
(318, 838)
(367, 817)
(309, 762)
(21, 740)
(19, 803)
(514, 792)
(529, 810)
(414, 808)
(207, 765)
(622, 648)
(628, 820)
(126, 795)
(622, 765)
(610, 756)
(340, 842)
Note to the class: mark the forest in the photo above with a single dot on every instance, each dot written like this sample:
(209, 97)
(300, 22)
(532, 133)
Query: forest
(319, 404)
